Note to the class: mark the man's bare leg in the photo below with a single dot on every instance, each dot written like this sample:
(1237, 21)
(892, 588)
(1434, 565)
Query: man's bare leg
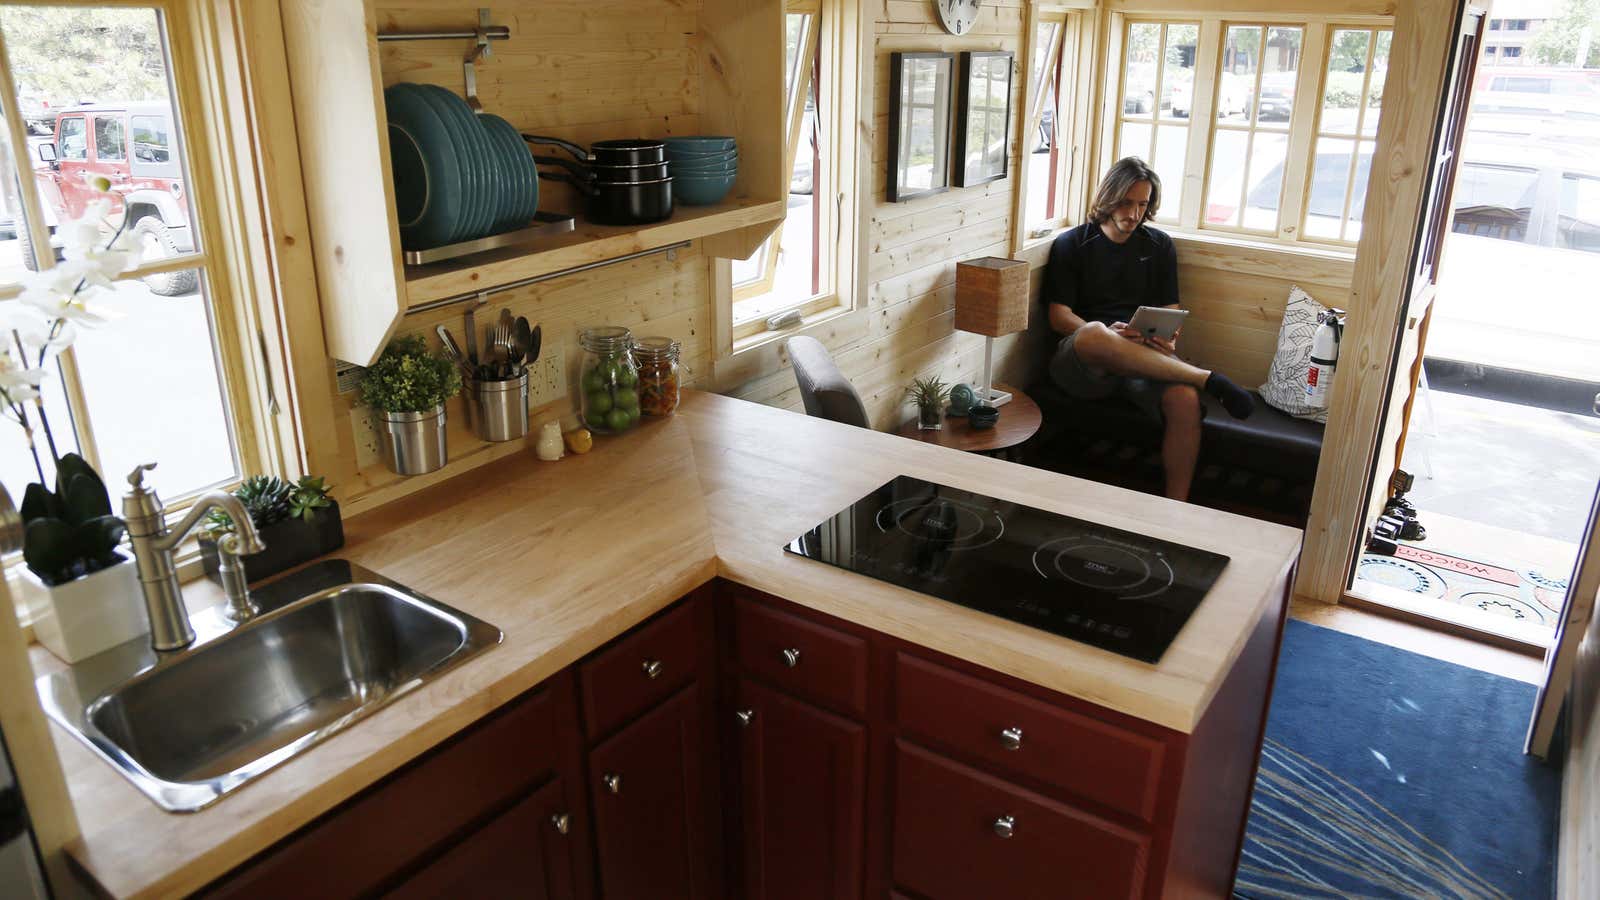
(1104, 349)
(1180, 445)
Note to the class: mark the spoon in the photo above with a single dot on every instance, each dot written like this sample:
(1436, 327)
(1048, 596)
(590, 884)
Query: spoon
(533, 343)
(522, 338)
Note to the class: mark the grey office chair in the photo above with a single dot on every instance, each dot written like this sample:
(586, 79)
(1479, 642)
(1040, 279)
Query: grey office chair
(827, 394)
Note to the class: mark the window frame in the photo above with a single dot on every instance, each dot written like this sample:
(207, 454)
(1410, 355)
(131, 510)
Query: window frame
(1314, 49)
(1358, 137)
(203, 109)
(1074, 118)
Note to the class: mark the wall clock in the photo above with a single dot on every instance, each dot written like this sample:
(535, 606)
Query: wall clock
(957, 16)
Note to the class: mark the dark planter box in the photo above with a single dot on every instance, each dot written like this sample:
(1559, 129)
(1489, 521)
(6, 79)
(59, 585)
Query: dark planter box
(289, 543)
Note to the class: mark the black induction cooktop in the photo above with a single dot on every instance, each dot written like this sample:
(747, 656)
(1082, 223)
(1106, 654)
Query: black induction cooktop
(1125, 592)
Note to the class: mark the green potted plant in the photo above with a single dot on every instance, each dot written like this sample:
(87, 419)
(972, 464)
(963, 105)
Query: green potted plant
(84, 592)
(929, 394)
(297, 521)
(407, 388)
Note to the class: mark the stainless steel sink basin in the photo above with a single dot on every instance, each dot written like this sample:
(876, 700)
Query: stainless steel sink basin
(334, 643)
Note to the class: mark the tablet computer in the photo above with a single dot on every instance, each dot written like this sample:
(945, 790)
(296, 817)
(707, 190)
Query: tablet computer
(1158, 321)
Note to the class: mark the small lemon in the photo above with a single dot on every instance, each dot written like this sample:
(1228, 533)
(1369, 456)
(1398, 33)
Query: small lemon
(579, 440)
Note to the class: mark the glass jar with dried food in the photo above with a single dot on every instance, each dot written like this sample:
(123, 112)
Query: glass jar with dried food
(609, 379)
(657, 358)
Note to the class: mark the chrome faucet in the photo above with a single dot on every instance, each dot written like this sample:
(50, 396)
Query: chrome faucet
(154, 547)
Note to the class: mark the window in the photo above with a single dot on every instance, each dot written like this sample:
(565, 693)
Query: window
(1043, 135)
(163, 378)
(1489, 51)
(1516, 24)
(1496, 24)
(1347, 130)
(1254, 101)
(792, 269)
(1156, 103)
(109, 139)
(1578, 227)
(1510, 52)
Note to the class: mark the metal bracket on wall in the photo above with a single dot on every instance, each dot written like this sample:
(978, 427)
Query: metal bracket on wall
(482, 296)
(480, 37)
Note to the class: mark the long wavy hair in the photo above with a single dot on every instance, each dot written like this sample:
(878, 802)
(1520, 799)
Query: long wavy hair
(1127, 172)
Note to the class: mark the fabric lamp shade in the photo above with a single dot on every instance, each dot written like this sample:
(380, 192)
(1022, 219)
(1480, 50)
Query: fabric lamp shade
(992, 296)
(991, 300)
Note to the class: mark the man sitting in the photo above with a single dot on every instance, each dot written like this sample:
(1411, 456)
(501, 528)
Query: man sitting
(1101, 272)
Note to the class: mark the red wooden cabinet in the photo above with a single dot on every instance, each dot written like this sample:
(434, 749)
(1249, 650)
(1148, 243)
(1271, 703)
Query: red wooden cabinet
(651, 825)
(802, 784)
(524, 852)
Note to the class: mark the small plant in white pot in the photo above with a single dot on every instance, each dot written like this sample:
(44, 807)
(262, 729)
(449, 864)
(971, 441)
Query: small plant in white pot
(85, 593)
(407, 388)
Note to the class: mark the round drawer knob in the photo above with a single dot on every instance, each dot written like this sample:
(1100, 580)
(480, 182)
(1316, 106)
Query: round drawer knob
(1011, 738)
(745, 717)
(562, 822)
(1005, 826)
(613, 783)
(791, 657)
(652, 668)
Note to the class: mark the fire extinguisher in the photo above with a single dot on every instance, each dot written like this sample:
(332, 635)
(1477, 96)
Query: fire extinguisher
(1324, 358)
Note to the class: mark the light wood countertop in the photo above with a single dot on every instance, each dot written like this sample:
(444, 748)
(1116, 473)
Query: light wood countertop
(564, 556)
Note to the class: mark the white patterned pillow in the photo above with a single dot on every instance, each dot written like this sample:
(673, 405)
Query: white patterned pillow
(1286, 383)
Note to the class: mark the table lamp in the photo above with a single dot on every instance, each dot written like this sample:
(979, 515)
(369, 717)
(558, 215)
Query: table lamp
(991, 300)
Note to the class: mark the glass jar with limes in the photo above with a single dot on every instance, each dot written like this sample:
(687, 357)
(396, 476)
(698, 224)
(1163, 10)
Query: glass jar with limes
(610, 381)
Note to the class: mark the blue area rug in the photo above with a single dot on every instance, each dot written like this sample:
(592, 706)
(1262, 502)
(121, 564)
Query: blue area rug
(1389, 774)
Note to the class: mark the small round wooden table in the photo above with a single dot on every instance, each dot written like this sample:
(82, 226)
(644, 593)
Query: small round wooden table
(1019, 421)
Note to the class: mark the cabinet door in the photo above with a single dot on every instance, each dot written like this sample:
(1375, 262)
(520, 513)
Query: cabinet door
(802, 786)
(524, 852)
(651, 825)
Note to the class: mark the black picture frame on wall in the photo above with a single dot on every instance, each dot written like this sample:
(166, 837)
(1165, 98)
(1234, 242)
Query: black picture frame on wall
(983, 119)
(922, 88)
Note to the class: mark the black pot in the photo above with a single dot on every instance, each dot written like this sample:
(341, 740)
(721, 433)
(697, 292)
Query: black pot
(594, 172)
(626, 152)
(622, 203)
(289, 543)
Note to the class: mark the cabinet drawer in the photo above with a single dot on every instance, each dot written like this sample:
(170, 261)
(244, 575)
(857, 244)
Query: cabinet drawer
(813, 661)
(402, 820)
(1017, 734)
(950, 843)
(523, 852)
(644, 668)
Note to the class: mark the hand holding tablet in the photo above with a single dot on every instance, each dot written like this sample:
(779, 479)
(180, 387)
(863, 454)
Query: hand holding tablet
(1157, 322)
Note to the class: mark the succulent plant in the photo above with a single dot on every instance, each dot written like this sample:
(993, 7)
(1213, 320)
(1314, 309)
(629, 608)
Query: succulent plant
(271, 499)
(70, 533)
(928, 393)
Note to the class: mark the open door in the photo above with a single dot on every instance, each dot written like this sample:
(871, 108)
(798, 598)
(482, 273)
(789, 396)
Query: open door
(1576, 612)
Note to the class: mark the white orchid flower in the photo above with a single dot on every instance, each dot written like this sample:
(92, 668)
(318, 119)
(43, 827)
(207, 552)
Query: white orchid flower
(17, 382)
(96, 182)
(83, 232)
(55, 292)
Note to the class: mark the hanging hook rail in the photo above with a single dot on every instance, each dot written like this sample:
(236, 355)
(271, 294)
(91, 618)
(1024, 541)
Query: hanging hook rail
(482, 296)
(480, 37)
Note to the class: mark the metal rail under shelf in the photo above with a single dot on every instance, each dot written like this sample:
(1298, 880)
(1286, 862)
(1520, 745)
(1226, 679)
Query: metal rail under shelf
(482, 295)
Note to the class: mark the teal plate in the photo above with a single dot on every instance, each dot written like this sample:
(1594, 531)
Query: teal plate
(507, 200)
(491, 183)
(521, 164)
(475, 184)
(427, 174)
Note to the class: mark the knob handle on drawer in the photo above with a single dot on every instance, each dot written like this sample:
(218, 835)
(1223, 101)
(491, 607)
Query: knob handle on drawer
(791, 657)
(562, 822)
(745, 717)
(1005, 826)
(652, 668)
(613, 783)
(1011, 738)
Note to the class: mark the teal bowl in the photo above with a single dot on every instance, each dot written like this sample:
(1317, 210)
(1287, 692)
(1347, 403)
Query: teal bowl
(703, 171)
(700, 143)
(701, 191)
(697, 156)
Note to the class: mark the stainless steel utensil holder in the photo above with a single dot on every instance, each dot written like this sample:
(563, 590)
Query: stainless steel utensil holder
(414, 442)
(500, 408)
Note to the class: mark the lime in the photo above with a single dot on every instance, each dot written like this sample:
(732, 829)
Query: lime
(618, 420)
(628, 399)
(598, 402)
(592, 381)
(608, 370)
(626, 376)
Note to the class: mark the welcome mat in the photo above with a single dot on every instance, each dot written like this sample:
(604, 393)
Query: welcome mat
(1390, 774)
(1522, 592)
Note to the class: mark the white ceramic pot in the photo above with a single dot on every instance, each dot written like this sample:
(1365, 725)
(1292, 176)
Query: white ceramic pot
(86, 616)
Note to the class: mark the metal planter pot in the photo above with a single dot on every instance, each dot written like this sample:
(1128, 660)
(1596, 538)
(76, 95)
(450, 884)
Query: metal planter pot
(414, 442)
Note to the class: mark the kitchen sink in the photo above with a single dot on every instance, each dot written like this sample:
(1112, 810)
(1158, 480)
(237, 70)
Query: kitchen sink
(334, 642)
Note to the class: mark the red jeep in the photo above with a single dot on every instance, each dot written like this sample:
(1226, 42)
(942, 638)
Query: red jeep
(132, 145)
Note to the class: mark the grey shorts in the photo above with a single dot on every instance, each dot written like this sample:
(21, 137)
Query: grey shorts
(1079, 379)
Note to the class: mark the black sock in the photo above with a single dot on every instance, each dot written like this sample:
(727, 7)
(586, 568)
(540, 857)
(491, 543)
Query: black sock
(1236, 400)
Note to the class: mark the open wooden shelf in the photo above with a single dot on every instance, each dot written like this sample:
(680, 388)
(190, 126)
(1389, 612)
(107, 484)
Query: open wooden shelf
(587, 243)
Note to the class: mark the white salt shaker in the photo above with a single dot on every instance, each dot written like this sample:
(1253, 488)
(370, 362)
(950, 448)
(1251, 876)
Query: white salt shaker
(549, 445)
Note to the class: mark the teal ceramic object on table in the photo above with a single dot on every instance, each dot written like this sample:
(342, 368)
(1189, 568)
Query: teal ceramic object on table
(732, 156)
(428, 179)
(699, 143)
(701, 191)
(962, 397)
